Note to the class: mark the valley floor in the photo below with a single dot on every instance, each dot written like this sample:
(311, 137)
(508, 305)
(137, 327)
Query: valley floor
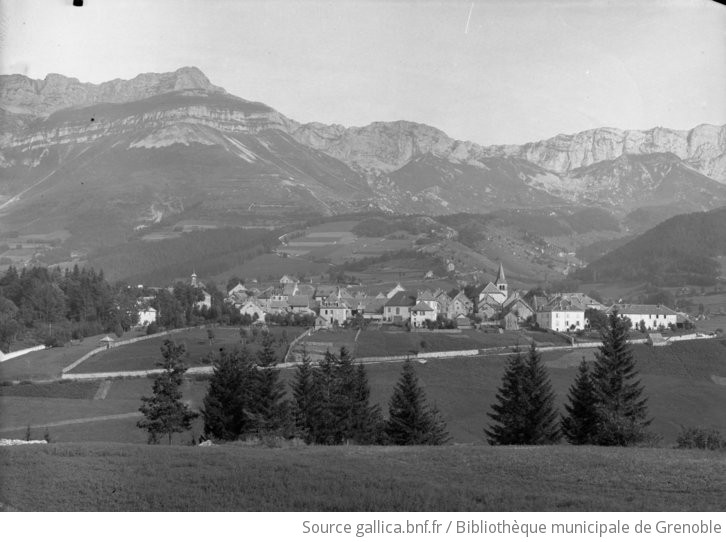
(126, 477)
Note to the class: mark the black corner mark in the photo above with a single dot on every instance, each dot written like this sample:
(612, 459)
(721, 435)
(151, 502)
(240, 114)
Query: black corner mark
(78, 3)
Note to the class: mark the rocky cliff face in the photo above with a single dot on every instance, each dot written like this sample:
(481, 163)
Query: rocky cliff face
(385, 147)
(703, 148)
(40, 98)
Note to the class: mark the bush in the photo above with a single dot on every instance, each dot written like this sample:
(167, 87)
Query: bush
(52, 342)
(152, 328)
(701, 438)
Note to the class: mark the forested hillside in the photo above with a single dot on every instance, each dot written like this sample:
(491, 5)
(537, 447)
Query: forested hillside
(681, 250)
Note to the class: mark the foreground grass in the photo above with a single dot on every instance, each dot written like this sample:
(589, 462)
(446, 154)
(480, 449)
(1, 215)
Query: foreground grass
(129, 477)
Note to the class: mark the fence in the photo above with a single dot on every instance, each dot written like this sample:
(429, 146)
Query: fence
(18, 353)
(131, 374)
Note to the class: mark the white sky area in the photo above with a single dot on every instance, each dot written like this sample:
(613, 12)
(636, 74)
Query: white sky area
(487, 71)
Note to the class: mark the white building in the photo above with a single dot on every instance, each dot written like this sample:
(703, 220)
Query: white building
(561, 315)
(147, 316)
(654, 316)
(421, 312)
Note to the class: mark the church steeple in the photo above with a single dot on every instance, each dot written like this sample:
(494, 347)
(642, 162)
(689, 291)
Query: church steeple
(501, 281)
(194, 279)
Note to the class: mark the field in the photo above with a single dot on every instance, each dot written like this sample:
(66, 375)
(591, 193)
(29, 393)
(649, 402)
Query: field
(685, 384)
(144, 354)
(93, 477)
(373, 342)
(46, 364)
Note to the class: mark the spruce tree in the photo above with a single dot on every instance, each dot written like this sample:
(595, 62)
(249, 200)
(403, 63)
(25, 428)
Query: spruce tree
(164, 412)
(333, 402)
(229, 404)
(621, 408)
(525, 412)
(270, 408)
(579, 426)
(303, 394)
(410, 419)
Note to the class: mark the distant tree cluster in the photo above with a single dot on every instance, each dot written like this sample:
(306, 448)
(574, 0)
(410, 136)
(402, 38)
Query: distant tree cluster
(37, 303)
(605, 405)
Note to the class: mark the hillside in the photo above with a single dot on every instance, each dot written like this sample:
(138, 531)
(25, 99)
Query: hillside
(112, 477)
(681, 250)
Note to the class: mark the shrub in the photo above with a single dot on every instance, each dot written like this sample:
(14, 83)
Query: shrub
(701, 438)
(51, 342)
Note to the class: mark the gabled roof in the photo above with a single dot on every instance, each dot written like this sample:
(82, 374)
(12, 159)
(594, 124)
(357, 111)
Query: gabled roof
(642, 309)
(490, 289)
(402, 299)
(426, 295)
(324, 290)
(562, 305)
(373, 304)
(421, 306)
(299, 301)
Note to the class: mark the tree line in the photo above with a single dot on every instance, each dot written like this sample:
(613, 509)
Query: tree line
(329, 402)
(38, 304)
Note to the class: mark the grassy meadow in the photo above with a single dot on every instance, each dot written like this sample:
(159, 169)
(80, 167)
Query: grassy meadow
(684, 384)
(144, 354)
(244, 477)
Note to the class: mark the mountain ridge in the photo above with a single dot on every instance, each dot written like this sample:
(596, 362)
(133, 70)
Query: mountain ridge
(161, 143)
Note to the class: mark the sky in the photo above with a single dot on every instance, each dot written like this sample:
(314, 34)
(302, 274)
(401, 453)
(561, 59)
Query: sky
(499, 71)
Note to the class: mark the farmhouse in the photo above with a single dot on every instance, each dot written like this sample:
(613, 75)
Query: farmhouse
(420, 313)
(653, 316)
(459, 304)
(252, 309)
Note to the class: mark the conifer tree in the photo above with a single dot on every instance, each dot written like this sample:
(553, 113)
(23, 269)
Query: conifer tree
(621, 408)
(270, 408)
(525, 412)
(411, 420)
(164, 412)
(337, 404)
(579, 426)
(229, 404)
(303, 393)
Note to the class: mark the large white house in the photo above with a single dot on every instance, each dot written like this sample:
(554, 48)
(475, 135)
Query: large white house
(654, 316)
(561, 315)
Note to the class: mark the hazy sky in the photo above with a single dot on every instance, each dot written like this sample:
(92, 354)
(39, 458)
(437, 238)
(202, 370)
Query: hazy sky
(489, 71)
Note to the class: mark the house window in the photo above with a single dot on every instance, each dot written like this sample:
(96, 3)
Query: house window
(398, 311)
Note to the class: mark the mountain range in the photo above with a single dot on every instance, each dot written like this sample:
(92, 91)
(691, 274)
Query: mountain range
(102, 161)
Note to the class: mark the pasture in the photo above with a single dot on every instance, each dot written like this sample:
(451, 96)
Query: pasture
(238, 477)
(685, 384)
(144, 355)
(334, 242)
(397, 342)
(47, 364)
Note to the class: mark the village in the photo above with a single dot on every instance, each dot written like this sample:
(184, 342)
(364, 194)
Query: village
(493, 306)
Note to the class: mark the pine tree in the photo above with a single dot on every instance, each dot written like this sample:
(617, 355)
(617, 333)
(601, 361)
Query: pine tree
(621, 408)
(525, 412)
(410, 419)
(164, 412)
(579, 426)
(229, 403)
